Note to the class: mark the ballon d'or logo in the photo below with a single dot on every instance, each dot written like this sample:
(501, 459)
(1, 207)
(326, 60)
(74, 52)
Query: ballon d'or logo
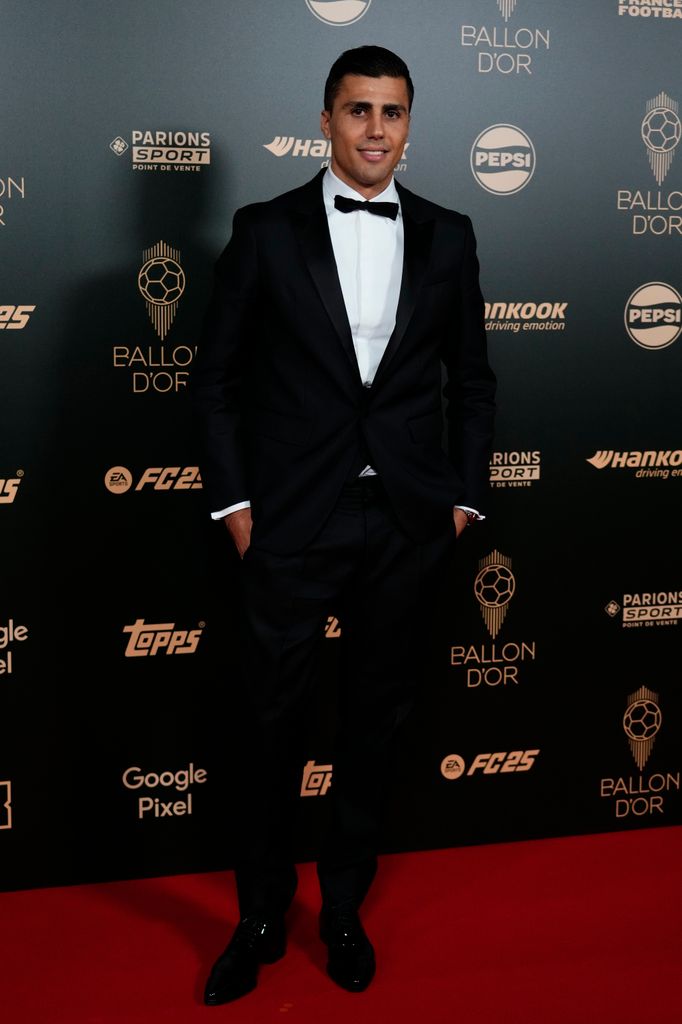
(494, 588)
(641, 722)
(161, 281)
(661, 133)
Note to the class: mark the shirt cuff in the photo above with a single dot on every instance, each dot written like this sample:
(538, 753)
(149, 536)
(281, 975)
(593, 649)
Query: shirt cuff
(466, 508)
(230, 508)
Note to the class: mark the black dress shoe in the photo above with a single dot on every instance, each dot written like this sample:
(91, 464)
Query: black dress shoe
(351, 962)
(256, 940)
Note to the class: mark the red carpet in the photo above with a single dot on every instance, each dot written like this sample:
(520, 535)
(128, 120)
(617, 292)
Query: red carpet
(583, 930)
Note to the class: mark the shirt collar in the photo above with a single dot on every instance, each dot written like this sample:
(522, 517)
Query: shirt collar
(333, 186)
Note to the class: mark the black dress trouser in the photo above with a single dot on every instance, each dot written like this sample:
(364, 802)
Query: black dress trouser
(382, 586)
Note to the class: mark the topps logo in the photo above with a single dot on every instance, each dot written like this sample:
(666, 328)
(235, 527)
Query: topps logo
(8, 489)
(317, 778)
(14, 318)
(150, 638)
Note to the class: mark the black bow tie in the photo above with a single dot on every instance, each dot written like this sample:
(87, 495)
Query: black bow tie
(381, 209)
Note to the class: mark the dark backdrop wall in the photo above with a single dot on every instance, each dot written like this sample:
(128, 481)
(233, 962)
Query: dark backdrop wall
(131, 131)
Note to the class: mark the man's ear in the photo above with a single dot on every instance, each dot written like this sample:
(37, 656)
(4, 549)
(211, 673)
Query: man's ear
(324, 123)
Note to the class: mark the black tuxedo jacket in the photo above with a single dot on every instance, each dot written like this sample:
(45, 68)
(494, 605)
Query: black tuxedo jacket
(281, 408)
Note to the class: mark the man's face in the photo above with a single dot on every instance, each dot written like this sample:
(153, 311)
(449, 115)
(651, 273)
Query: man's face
(368, 128)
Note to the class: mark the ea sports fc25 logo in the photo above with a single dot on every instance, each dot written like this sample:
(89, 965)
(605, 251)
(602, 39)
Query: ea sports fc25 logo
(453, 766)
(338, 12)
(503, 159)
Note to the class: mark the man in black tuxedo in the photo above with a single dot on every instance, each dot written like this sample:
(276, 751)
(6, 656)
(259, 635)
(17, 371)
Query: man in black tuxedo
(317, 388)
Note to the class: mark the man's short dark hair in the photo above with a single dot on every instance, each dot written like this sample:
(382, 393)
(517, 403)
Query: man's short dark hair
(370, 61)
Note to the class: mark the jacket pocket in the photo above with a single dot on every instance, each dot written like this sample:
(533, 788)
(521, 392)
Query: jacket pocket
(281, 426)
(426, 428)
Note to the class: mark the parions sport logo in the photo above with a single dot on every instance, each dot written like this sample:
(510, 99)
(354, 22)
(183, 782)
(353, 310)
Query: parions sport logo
(650, 8)
(119, 480)
(338, 12)
(165, 150)
(505, 49)
(653, 315)
(647, 609)
(503, 159)
(639, 796)
(515, 468)
(656, 211)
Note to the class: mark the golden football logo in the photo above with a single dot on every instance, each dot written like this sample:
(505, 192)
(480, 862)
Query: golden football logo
(494, 588)
(161, 281)
(641, 722)
(506, 8)
(661, 132)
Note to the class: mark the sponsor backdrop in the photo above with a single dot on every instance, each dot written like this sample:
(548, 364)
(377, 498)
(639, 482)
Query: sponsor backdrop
(550, 694)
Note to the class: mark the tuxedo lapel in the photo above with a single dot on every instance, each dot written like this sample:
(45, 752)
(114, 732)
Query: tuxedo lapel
(313, 232)
(416, 253)
(316, 244)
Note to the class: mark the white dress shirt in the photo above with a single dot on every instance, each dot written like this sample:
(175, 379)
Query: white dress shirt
(368, 251)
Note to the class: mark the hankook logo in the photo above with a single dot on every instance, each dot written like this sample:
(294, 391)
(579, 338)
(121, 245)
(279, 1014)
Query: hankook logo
(526, 316)
(653, 315)
(338, 12)
(503, 159)
(650, 463)
(320, 149)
